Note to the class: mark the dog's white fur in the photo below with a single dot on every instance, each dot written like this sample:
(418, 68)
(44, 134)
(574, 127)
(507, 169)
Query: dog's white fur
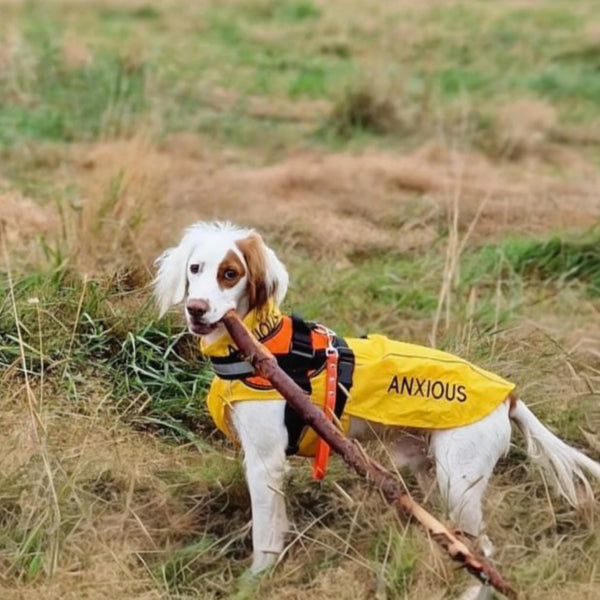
(464, 457)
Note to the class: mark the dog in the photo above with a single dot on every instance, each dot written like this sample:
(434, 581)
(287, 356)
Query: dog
(431, 408)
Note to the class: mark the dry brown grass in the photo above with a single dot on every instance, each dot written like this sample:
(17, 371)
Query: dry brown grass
(23, 223)
(136, 197)
(116, 504)
(115, 510)
(524, 127)
(24, 219)
(127, 501)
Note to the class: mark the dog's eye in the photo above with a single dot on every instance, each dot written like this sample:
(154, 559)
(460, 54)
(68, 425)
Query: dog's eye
(194, 269)
(230, 274)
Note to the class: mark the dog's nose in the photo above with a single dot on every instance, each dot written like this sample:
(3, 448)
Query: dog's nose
(197, 308)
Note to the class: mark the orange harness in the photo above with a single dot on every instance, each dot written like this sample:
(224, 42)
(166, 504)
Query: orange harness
(389, 382)
(304, 351)
(323, 450)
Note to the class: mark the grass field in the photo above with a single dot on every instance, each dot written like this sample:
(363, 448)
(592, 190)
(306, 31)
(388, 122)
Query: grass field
(428, 170)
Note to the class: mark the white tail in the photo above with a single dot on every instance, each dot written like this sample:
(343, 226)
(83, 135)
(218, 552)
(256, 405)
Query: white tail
(563, 464)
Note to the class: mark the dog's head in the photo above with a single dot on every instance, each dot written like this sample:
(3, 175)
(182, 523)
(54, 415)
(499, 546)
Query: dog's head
(216, 267)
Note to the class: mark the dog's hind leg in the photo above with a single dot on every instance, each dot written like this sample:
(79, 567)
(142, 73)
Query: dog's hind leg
(409, 450)
(465, 458)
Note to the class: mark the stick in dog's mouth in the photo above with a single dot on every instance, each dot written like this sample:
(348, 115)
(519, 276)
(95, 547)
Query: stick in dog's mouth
(266, 365)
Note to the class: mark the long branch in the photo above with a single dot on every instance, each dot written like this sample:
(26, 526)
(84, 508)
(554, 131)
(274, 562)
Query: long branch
(266, 365)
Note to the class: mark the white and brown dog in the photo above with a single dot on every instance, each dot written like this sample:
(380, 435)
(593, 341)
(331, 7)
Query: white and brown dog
(461, 432)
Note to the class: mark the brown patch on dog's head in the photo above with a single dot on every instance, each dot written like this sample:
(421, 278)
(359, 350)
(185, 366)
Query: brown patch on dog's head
(253, 251)
(230, 271)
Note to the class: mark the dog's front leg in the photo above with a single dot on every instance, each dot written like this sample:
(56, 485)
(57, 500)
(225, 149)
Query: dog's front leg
(262, 433)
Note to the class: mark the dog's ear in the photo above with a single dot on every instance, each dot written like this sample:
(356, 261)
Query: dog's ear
(171, 278)
(277, 277)
(267, 277)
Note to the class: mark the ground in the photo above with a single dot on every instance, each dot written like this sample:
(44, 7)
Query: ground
(425, 170)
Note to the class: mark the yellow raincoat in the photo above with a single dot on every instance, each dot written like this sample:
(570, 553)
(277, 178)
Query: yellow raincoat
(393, 383)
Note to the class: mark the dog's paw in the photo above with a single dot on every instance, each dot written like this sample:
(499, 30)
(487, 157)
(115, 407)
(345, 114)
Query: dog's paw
(262, 561)
(246, 587)
(248, 583)
(477, 592)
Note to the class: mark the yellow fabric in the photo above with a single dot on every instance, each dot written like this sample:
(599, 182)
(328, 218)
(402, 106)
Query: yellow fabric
(394, 383)
(260, 324)
(223, 393)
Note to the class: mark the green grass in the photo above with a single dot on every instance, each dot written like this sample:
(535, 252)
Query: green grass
(290, 51)
(406, 286)
(88, 322)
(47, 99)
(149, 367)
(114, 482)
(396, 554)
(558, 260)
(155, 369)
(77, 329)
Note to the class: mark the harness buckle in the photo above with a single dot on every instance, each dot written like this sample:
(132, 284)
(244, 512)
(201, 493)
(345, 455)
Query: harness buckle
(331, 350)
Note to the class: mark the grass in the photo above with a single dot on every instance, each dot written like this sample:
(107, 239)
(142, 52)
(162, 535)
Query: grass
(87, 333)
(428, 172)
(152, 382)
(46, 98)
(157, 374)
(86, 72)
(358, 111)
(560, 260)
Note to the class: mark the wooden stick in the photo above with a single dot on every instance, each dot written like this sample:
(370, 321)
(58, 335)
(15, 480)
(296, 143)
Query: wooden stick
(266, 365)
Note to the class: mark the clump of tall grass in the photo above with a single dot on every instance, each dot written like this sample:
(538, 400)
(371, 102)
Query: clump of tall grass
(161, 369)
(561, 260)
(557, 260)
(359, 109)
(83, 328)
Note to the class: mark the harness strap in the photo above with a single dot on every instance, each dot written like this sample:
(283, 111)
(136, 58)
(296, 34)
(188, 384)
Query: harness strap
(345, 368)
(331, 377)
(301, 351)
(302, 338)
(300, 358)
(232, 370)
(300, 363)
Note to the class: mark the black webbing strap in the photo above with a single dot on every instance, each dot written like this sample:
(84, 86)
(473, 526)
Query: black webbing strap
(293, 421)
(302, 338)
(231, 368)
(294, 424)
(301, 348)
(297, 363)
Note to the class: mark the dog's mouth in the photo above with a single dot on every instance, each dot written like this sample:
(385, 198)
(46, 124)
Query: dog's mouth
(202, 328)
